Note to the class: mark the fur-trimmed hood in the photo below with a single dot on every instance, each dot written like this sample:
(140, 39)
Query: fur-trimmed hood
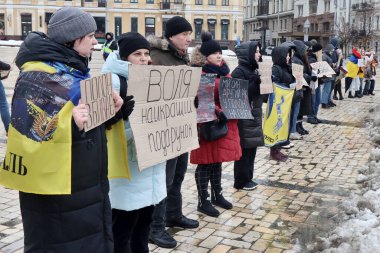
(197, 58)
(159, 43)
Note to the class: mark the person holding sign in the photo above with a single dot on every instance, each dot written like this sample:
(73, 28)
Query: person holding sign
(133, 200)
(282, 74)
(171, 51)
(250, 130)
(62, 170)
(352, 81)
(300, 57)
(212, 153)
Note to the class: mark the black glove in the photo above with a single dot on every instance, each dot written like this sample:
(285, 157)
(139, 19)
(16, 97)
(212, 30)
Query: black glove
(221, 116)
(314, 78)
(196, 102)
(127, 106)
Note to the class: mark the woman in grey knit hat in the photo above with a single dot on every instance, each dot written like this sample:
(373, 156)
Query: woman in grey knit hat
(48, 115)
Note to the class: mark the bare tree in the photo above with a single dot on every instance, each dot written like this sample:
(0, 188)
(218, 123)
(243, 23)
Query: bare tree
(347, 34)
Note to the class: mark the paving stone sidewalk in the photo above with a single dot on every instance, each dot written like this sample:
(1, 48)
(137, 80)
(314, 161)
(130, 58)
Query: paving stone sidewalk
(295, 200)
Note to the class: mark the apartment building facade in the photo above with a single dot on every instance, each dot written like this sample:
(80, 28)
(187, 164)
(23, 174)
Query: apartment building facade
(223, 18)
(268, 21)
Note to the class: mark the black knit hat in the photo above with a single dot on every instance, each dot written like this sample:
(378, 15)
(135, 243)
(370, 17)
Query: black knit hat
(130, 42)
(209, 46)
(316, 47)
(177, 25)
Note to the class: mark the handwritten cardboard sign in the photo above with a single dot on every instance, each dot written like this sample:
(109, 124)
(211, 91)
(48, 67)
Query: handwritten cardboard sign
(297, 70)
(265, 70)
(96, 93)
(323, 69)
(233, 97)
(206, 102)
(164, 120)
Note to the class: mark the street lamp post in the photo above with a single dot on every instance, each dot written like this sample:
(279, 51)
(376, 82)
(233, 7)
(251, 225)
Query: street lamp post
(306, 27)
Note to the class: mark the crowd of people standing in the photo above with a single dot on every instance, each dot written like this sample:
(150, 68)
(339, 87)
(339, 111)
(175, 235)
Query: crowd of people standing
(121, 215)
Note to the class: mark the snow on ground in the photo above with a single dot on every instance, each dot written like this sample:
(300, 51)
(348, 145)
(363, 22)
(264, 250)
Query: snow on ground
(360, 230)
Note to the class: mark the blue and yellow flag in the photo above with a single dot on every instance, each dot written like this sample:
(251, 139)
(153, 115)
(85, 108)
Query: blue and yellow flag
(276, 120)
(38, 156)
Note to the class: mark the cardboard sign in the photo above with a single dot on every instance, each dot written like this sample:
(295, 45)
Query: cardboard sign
(265, 70)
(96, 93)
(233, 97)
(164, 120)
(323, 69)
(297, 70)
(206, 102)
(360, 63)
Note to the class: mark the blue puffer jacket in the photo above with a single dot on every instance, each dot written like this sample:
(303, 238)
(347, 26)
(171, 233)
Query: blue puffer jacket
(146, 187)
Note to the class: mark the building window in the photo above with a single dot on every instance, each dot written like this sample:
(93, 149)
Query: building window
(327, 6)
(2, 26)
(211, 2)
(211, 27)
(300, 10)
(326, 27)
(299, 28)
(134, 1)
(280, 24)
(178, 1)
(101, 25)
(272, 25)
(225, 25)
(225, 2)
(26, 24)
(378, 22)
(85, 0)
(198, 28)
(149, 26)
(118, 1)
(134, 24)
(313, 4)
(118, 29)
(150, 1)
(198, 2)
(285, 25)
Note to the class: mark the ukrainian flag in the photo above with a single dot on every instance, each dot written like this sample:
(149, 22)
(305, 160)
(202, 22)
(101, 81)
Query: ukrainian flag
(276, 120)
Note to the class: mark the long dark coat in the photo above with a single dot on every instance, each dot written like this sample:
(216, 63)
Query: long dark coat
(250, 131)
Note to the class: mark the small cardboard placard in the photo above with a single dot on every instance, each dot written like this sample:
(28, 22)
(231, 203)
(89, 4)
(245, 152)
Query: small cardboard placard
(297, 70)
(233, 97)
(206, 101)
(164, 119)
(323, 69)
(96, 93)
(265, 70)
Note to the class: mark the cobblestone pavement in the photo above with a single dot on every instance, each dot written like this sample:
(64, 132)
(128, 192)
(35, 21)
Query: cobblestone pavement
(294, 201)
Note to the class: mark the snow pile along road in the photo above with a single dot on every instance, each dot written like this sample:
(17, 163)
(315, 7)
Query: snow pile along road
(360, 230)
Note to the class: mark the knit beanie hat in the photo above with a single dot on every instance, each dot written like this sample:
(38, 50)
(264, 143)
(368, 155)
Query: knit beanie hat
(316, 47)
(130, 42)
(356, 53)
(209, 46)
(68, 24)
(177, 25)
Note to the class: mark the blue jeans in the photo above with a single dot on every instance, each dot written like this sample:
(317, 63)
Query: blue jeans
(294, 114)
(4, 108)
(326, 93)
(171, 206)
(315, 102)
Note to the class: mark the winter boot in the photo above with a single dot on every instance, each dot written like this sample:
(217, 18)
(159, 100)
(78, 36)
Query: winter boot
(276, 155)
(350, 95)
(205, 206)
(218, 200)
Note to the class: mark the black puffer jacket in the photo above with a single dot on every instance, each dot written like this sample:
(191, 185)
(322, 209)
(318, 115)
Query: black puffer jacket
(79, 222)
(281, 71)
(250, 131)
(298, 58)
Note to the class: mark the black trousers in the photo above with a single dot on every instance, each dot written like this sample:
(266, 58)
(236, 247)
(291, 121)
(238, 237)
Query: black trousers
(131, 230)
(171, 206)
(243, 169)
(338, 89)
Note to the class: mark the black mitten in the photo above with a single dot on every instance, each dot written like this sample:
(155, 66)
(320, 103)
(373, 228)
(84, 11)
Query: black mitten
(221, 116)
